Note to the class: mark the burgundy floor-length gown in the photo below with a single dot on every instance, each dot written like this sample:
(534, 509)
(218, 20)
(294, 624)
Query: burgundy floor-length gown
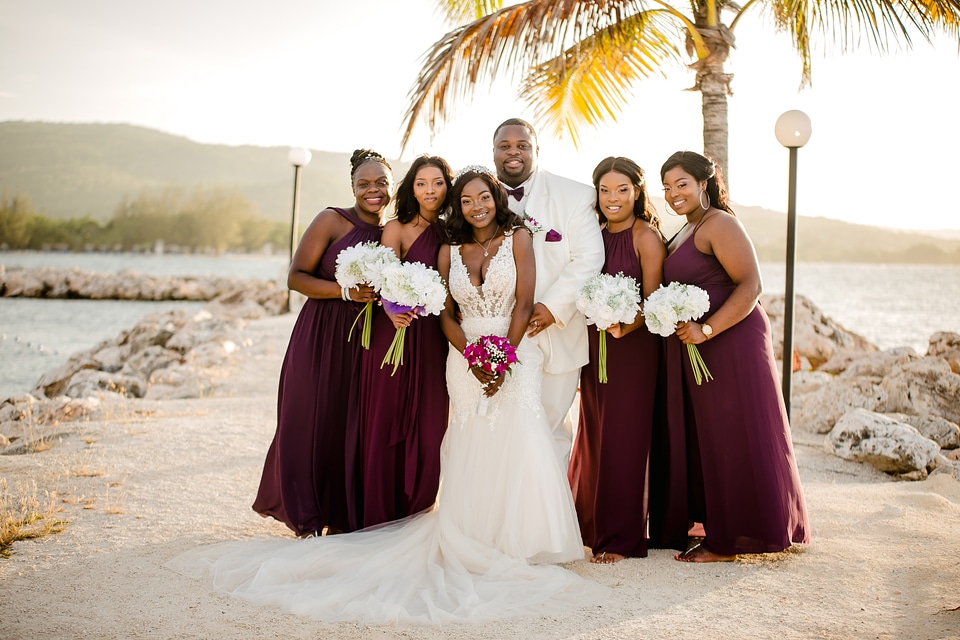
(608, 467)
(403, 416)
(743, 479)
(307, 480)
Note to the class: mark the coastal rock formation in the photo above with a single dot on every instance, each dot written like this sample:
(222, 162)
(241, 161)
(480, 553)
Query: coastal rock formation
(888, 445)
(946, 345)
(51, 282)
(173, 354)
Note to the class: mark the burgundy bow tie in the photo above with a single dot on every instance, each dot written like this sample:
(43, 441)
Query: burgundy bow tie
(516, 193)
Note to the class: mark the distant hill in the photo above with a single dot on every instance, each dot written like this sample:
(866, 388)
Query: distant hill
(74, 170)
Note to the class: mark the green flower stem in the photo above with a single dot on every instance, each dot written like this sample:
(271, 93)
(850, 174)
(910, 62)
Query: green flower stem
(394, 354)
(603, 356)
(700, 371)
(367, 311)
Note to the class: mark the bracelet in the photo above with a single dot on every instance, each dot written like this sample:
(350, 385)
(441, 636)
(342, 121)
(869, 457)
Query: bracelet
(345, 293)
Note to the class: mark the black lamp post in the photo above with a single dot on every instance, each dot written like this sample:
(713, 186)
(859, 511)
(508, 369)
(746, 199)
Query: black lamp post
(793, 131)
(299, 158)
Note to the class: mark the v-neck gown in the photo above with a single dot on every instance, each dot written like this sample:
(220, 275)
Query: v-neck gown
(308, 473)
(742, 474)
(504, 507)
(403, 415)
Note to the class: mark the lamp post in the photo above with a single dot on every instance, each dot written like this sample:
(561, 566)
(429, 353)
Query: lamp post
(793, 131)
(299, 158)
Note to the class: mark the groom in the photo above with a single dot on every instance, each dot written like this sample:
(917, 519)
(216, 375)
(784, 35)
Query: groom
(568, 250)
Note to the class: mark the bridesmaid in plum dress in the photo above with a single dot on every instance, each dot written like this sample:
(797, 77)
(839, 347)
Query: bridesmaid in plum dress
(743, 481)
(307, 476)
(608, 467)
(403, 415)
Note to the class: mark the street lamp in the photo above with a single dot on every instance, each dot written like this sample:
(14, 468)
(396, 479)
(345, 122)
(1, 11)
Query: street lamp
(793, 131)
(298, 158)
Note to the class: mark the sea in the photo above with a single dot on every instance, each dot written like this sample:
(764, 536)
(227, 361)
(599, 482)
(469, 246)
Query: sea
(889, 305)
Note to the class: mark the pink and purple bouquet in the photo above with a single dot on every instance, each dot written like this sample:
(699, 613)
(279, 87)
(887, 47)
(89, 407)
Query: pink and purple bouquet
(675, 303)
(493, 354)
(363, 264)
(409, 286)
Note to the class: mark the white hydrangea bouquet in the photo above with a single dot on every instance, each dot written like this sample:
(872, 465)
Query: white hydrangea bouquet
(675, 303)
(363, 264)
(606, 300)
(409, 286)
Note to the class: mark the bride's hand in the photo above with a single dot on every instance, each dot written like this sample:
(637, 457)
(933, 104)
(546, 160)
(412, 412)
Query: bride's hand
(490, 389)
(485, 377)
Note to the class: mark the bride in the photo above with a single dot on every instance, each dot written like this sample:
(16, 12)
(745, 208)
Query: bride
(504, 505)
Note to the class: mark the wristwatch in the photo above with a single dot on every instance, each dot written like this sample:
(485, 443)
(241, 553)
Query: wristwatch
(707, 330)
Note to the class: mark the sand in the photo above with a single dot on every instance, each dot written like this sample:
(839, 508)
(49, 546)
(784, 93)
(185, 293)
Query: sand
(150, 480)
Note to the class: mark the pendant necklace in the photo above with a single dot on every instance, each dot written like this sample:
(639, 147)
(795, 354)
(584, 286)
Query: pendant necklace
(486, 249)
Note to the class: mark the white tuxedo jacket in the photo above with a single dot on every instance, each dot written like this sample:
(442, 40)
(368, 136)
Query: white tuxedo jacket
(564, 264)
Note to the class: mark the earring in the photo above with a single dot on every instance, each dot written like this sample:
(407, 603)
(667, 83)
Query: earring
(705, 206)
(669, 210)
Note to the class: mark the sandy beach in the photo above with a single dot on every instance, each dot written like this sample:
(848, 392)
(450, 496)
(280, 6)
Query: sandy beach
(148, 480)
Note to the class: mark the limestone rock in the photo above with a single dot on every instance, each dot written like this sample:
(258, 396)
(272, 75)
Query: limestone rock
(90, 383)
(946, 345)
(888, 445)
(940, 430)
(819, 410)
(922, 386)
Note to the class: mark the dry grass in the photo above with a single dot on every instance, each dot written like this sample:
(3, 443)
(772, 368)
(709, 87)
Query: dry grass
(24, 515)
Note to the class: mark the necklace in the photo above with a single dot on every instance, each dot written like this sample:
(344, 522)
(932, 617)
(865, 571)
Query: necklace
(486, 249)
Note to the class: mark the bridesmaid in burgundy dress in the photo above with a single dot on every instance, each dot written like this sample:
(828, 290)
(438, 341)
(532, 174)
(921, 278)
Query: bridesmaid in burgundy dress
(743, 480)
(307, 476)
(403, 416)
(608, 467)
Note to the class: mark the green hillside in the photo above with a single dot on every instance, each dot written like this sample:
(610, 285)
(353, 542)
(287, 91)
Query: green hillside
(75, 170)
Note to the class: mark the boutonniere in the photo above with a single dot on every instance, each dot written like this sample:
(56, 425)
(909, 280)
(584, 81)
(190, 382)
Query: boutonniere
(532, 224)
(553, 236)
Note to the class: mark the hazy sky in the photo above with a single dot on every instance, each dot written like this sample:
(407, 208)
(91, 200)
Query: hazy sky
(334, 75)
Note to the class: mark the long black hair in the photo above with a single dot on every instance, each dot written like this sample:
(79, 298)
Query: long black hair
(642, 207)
(459, 231)
(406, 203)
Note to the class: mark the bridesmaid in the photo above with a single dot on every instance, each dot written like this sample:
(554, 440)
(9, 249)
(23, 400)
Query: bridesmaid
(742, 475)
(403, 416)
(608, 467)
(306, 475)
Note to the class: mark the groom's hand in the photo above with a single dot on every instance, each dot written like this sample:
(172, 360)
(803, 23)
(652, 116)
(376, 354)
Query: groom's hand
(540, 319)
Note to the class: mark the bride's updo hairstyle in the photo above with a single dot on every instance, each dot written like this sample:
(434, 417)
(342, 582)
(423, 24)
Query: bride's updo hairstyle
(701, 168)
(459, 231)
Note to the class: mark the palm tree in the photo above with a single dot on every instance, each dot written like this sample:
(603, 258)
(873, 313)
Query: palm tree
(580, 59)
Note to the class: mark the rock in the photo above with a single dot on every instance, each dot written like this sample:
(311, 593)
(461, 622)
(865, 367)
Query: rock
(953, 455)
(143, 363)
(940, 430)
(90, 383)
(819, 410)
(816, 337)
(946, 345)
(888, 445)
(873, 364)
(54, 382)
(176, 382)
(922, 386)
(947, 467)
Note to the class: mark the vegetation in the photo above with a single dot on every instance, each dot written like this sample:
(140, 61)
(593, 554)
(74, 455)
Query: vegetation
(25, 516)
(199, 220)
(580, 58)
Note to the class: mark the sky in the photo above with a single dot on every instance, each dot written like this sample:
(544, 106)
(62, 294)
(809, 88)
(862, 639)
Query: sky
(334, 75)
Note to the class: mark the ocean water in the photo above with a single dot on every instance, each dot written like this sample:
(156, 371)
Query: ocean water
(890, 305)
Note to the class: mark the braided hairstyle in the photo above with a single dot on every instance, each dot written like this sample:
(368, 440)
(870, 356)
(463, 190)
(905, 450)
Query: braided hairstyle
(406, 204)
(642, 207)
(366, 155)
(702, 168)
(459, 231)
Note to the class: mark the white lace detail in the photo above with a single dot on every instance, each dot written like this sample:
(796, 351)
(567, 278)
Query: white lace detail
(487, 310)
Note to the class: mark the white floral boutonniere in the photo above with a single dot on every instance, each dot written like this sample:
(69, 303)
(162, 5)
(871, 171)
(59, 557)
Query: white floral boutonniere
(532, 223)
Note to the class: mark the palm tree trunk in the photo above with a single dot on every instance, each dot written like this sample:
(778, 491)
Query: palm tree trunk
(714, 87)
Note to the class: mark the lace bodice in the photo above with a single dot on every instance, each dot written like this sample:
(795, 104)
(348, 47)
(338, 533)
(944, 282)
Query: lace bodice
(496, 297)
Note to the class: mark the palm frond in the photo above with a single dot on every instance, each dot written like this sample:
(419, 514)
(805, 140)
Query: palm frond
(592, 81)
(503, 44)
(460, 11)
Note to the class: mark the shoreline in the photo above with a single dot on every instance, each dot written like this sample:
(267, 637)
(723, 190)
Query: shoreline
(146, 480)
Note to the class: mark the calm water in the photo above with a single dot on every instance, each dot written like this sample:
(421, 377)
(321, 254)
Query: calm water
(890, 305)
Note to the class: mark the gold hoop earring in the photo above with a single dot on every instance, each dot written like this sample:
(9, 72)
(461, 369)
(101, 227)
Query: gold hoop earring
(705, 206)
(669, 210)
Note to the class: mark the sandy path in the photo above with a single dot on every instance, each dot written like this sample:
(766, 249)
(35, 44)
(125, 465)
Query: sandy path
(884, 563)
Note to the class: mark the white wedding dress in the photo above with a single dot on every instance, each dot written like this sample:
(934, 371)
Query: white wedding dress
(504, 506)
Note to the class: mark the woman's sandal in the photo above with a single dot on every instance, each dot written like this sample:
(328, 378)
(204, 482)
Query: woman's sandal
(606, 558)
(700, 553)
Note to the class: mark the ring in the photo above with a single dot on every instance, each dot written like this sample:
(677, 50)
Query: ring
(536, 324)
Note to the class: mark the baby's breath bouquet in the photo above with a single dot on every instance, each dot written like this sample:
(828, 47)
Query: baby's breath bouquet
(409, 286)
(606, 300)
(363, 264)
(675, 303)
